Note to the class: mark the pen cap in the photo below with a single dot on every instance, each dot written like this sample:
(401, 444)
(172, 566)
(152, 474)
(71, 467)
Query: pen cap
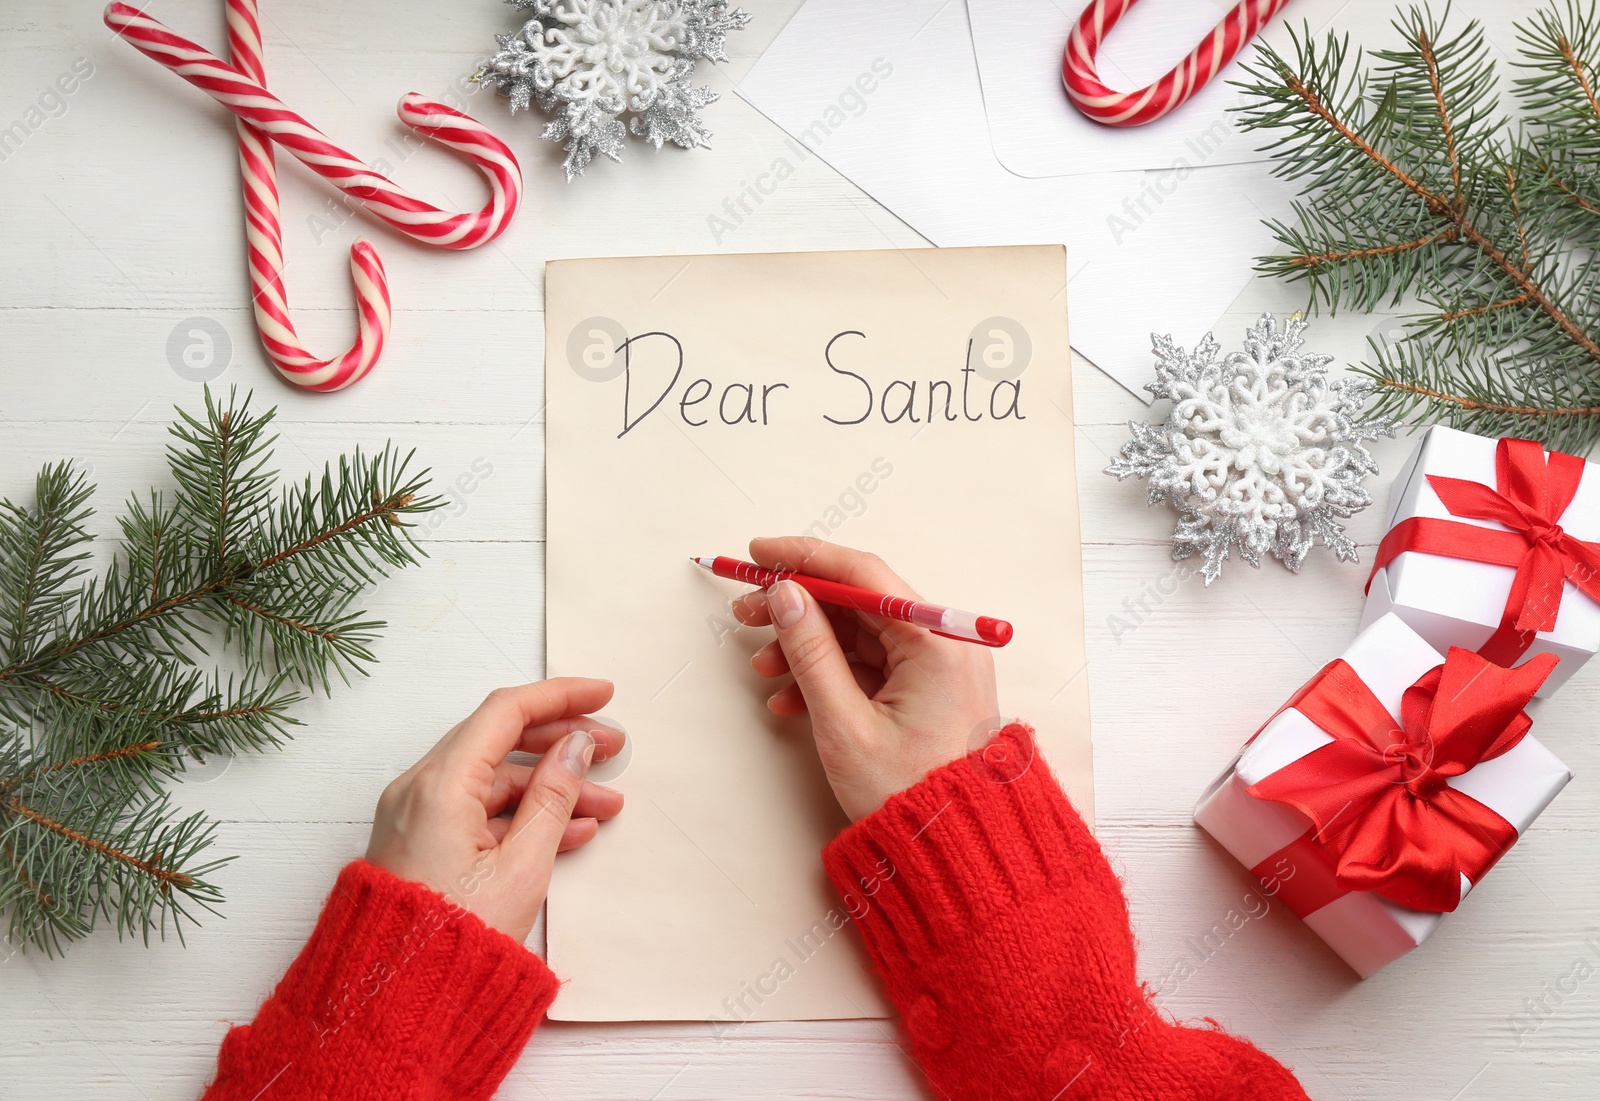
(996, 632)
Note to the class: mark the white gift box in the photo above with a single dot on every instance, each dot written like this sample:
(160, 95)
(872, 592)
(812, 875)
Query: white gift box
(1365, 929)
(1458, 602)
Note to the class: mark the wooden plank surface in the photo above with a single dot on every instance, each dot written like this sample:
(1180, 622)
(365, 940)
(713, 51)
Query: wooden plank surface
(121, 224)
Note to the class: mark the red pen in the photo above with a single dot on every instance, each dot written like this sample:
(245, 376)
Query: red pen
(963, 626)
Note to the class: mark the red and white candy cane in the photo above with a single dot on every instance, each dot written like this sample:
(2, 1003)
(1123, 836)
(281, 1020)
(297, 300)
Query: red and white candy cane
(1135, 108)
(252, 102)
(264, 243)
(262, 119)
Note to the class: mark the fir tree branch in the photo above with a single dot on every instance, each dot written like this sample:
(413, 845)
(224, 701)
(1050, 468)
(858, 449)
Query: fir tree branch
(1558, 92)
(1478, 406)
(1472, 311)
(168, 700)
(1416, 186)
(326, 635)
(1316, 260)
(102, 699)
(1578, 200)
(116, 627)
(1580, 74)
(220, 465)
(1441, 207)
(387, 511)
(10, 784)
(37, 558)
(182, 707)
(152, 867)
(1432, 62)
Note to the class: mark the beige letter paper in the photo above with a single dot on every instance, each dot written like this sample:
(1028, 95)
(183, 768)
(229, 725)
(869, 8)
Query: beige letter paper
(916, 403)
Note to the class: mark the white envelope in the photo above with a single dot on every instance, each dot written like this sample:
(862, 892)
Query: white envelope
(1366, 929)
(1458, 602)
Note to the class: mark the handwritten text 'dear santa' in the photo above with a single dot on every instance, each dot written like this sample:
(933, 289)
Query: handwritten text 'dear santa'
(655, 383)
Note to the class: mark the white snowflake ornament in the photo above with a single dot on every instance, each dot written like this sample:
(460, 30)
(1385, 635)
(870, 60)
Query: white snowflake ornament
(1260, 453)
(592, 62)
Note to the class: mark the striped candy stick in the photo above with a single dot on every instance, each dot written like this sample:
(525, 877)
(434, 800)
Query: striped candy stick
(247, 98)
(264, 243)
(1144, 105)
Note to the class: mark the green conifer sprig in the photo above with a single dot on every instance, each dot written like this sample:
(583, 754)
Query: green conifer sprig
(1416, 184)
(104, 693)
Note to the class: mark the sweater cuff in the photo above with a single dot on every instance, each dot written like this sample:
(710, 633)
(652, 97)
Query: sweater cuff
(397, 983)
(974, 840)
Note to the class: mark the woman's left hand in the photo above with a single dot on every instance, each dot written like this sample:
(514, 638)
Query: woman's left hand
(483, 831)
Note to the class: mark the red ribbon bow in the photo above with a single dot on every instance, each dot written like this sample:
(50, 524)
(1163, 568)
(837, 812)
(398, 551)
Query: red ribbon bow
(1377, 794)
(1530, 497)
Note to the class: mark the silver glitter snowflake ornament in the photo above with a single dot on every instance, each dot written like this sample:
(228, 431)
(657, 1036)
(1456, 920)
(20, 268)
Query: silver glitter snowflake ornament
(593, 62)
(1260, 452)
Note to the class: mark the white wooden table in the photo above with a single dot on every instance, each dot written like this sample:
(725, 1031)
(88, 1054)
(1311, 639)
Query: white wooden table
(120, 223)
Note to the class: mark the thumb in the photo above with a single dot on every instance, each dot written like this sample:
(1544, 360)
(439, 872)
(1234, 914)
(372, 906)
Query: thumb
(552, 792)
(812, 650)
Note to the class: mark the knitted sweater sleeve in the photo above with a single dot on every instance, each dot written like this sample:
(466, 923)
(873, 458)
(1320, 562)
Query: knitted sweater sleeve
(398, 995)
(1002, 936)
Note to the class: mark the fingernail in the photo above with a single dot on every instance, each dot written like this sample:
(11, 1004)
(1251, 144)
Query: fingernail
(595, 733)
(786, 604)
(577, 752)
(747, 605)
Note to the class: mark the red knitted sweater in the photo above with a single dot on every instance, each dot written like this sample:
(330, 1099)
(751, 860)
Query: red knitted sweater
(997, 926)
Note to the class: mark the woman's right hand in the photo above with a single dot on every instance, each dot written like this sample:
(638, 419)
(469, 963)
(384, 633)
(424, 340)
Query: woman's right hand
(889, 702)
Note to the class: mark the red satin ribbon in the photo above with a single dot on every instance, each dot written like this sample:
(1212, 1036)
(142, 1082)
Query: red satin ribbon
(1376, 795)
(1530, 497)
(1300, 876)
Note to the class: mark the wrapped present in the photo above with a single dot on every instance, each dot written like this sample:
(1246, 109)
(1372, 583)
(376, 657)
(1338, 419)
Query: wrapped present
(1492, 547)
(1385, 788)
